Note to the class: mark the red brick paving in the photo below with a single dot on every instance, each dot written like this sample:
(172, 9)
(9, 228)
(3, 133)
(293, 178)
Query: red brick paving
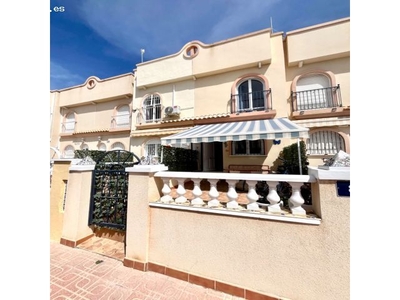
(82, 274)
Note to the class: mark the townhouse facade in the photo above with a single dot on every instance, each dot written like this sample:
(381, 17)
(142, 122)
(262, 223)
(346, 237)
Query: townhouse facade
(302, 76)
(95, 115)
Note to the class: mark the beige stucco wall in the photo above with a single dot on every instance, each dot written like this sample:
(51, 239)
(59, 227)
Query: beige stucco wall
(57, 189)
(320, 42)
(110, 88)
(75, 223)
(295, 261)
(55, 123)
(237, 53)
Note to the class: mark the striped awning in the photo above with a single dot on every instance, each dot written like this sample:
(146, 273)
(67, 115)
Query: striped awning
(236, 131)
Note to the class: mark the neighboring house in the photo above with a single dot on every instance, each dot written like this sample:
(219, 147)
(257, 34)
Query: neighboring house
(95, 115)
(302, 75)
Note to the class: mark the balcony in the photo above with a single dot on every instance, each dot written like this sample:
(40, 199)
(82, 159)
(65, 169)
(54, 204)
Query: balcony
(250, 102)
(68, 127)
(120, 122)
(323, 98)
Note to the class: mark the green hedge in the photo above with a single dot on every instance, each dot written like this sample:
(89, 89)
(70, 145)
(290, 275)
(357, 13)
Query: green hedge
(179, 159)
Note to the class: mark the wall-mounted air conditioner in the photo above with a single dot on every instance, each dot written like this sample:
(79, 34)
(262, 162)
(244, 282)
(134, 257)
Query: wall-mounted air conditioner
(172, 110)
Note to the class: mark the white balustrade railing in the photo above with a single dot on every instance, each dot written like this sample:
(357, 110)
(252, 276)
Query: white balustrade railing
(296, 201)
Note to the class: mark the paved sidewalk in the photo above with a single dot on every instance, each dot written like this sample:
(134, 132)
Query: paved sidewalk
(81, 274)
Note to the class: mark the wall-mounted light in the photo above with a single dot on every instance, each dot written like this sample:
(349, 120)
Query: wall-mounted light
(276, 142)
(99, 138)
(82, 140)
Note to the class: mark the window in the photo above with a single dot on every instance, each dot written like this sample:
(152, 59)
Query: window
(102, 147)
(122, 117)
(117, 146)
(152, 108)
(69, 151)
(324, 143)
(314, 92)
(251, 95)
(152, 147)
(191, 51)
(69, 123)
(84, 146)
(248, 147)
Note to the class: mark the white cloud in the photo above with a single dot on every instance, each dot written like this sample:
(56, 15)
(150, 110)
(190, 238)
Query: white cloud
(62, 78)
(163, 27)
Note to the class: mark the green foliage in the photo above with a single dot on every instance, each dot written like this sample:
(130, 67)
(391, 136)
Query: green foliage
(290, 155)
(179, 159)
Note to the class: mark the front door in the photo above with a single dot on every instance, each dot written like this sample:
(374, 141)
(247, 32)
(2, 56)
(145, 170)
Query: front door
(212, 157)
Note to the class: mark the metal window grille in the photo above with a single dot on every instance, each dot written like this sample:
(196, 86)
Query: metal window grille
(324, 143)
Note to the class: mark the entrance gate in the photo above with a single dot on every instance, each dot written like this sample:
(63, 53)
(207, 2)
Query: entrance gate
(108, 201)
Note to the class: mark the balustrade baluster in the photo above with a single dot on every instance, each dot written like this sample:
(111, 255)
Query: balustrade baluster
(181, 192)
(273, 198)
(296, 200)
(166, 190)
(197, 201)
(232, 195)
(252, 196)
(213, 193)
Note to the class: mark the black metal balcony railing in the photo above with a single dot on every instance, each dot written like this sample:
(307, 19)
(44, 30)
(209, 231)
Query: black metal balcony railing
(316, 99)
(254, 101)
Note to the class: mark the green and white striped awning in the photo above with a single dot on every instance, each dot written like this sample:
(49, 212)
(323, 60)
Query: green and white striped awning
(237, 131)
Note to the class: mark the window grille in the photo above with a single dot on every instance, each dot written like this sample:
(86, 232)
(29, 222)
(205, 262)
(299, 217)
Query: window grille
(122, 117)
(324, 143)
(118, 146)
(69, 152)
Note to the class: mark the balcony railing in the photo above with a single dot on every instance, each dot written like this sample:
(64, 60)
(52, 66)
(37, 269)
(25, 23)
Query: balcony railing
(255, 101)
(207, 195)
(122, 121)
(68, 127)
(317, 99)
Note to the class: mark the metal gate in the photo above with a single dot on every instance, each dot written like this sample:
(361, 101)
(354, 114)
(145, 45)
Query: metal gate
(108, 201)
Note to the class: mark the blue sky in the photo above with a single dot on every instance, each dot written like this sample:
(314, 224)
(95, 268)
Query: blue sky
(104, 38)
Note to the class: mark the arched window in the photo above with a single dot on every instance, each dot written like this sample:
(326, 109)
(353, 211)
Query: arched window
(152, 108)
(152, 147)
(102, 147)
(84, 146)
(251, 95)
(69, 152)
(117, 146)
(314, 91)
(69, 123)
(122, 116)
(325, 142)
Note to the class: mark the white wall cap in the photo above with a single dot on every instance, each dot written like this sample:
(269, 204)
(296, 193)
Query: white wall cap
(146, 168)
(334, 173)
(82, 167)
(237, 176)
(73, 161)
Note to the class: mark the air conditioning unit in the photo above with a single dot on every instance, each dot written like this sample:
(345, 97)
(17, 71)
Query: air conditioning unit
(172, 110)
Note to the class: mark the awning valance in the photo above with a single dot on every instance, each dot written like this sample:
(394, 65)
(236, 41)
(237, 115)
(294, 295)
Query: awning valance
(236, 131)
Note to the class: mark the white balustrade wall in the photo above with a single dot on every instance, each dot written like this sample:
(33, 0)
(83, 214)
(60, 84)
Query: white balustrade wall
(195, 199)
